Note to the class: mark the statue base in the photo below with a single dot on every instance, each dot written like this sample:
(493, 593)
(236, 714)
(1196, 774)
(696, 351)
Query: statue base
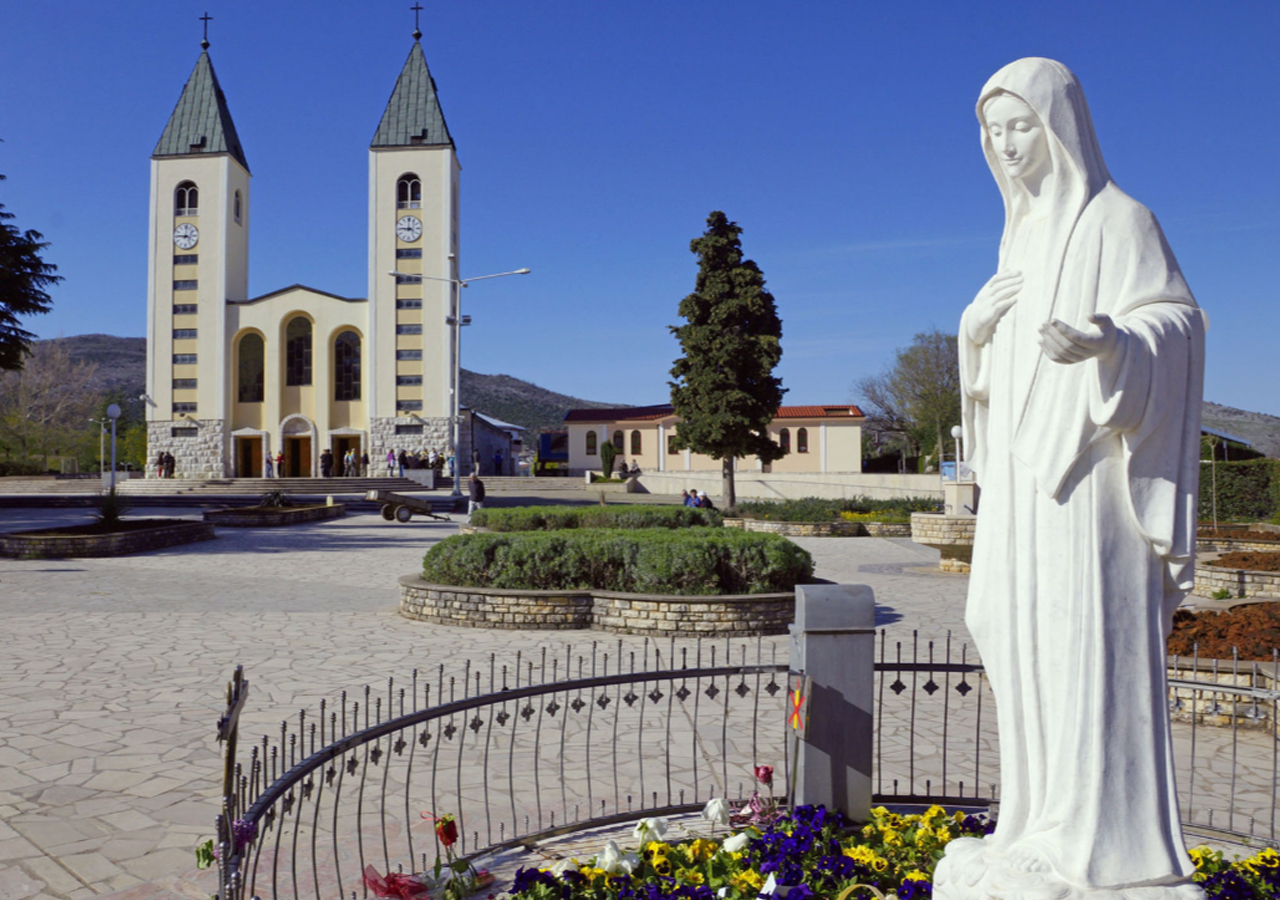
(975, 869)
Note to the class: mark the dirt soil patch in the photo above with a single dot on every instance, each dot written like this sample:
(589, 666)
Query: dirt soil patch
(123, 526)
(1229, 534)
(1257, 561)
(1253, 630)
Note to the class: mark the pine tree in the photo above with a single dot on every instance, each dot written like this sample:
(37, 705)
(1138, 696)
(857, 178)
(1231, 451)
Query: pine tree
(724, 390)
(23, 278)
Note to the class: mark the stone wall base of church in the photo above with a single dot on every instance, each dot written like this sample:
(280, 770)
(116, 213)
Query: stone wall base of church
(436, 433)
(202, 454)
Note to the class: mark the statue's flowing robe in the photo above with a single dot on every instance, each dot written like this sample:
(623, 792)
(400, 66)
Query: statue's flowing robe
(1086, 527)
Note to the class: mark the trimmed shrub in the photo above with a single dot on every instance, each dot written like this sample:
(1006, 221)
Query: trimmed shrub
(1248, 491)
(555, 518)
(646, 561)
(816, 509)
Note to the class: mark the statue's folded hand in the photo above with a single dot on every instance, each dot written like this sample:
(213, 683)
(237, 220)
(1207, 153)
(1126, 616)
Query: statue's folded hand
(995, 299)
(1064, 344)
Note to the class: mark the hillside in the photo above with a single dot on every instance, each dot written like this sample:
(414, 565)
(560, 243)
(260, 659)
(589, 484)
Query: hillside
(1260, 429)
(122, 365)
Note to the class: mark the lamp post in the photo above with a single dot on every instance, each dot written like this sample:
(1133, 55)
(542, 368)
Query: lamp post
(457, 320)
(102, 435)
(113, 413)
(958, 433)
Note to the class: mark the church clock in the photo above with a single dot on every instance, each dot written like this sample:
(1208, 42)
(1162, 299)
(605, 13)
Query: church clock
(409, 229)
(186, 236)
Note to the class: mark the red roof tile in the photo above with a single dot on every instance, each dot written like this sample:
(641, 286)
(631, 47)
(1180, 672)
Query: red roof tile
(662, 411)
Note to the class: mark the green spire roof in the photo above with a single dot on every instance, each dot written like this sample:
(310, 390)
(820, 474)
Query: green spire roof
(413, 116)
(201, 122)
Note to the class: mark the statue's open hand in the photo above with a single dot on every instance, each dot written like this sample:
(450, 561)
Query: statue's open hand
(994, 300)
(1064, 344)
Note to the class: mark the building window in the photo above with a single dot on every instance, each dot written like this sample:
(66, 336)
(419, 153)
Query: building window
(408, 380)
(408, 354)
(237, 205)
(184, 407)
(408, 192)
(617, 441)
(186, 259)
(409, 304)
(252, 367)
(297, 352)
(784, 440)
(408, 279)
(408, 329)
(635, 443)
(409, 253)
(184, 309)
(184, 334)
(409, 405)
(802, 440)
(190, 285)
(408, 429)
(671, 444)
(591, 443)
(346, 366)
(184, 359)
(186, 200)
(184, 384)
(185, 431)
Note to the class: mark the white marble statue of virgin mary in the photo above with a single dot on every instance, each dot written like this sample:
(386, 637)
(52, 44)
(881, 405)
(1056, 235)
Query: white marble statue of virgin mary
(1082, 364)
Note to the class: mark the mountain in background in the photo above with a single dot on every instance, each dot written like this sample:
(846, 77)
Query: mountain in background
(1259, 429)
(122, 366)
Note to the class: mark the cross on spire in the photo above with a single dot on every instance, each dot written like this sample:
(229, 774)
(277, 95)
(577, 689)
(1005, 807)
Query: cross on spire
(417, 32)
(206, 19)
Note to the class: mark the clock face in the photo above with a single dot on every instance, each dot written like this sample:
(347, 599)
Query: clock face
(185, 236)
(408, 229)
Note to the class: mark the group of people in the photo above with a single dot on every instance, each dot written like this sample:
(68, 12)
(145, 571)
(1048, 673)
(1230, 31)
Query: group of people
(165, 465)
(400, 460)
(698, 500)
(352, 464)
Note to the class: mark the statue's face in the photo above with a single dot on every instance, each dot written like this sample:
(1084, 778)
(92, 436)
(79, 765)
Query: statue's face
(1018, 137)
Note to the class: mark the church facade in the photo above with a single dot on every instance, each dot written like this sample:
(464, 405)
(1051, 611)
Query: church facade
(233, 378)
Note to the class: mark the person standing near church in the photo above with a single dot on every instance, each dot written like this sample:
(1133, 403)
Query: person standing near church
(280, 462)
(160, 464)
(497, 462)
(268, 468)
(475, 495)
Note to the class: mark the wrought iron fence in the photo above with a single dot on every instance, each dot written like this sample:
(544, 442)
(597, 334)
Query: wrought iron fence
(559, 741)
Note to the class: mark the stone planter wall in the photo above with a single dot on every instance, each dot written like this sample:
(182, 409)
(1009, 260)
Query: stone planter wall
(822, 529)
(655, 614)
(238, 518)
(952, 536)
(1242, 583)
(34, 545)
(1205, 545)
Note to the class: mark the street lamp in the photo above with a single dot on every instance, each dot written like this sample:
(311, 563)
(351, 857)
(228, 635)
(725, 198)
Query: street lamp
(113, 413)
(958, 433)
(457, 320)
(102, 434)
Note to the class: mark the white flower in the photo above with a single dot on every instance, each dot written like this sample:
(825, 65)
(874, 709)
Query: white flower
(564, 865)
(736, 843)
(650, 829)
(717, 811)
(612, 860)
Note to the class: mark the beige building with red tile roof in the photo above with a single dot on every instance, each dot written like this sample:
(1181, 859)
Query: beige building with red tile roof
(818, 439)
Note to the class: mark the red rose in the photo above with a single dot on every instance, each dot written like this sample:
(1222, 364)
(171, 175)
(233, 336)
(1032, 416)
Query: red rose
(764, 775)
(447, 830)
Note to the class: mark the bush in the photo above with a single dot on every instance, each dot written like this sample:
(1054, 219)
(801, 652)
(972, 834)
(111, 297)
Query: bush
(648, 561)
(21, 467)
(555, 518)
(815, 509)
(1248, 491)
(110, 507)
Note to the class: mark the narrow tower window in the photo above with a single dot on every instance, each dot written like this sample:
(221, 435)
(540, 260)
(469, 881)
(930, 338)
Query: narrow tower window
(252, 360)
(409, 192)
(802, 440)
(617, 441)
(591, 443)
(784, 439)
(635, 443)
(346, 366)
(186, 200)
(297, 354)
(237, 205)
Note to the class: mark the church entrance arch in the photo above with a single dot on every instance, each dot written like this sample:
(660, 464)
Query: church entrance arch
(298, 440)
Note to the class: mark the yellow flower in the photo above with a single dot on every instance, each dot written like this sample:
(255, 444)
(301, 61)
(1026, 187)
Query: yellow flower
(690, 876)
(915, 875)
(661, 864)
(746, 880)
(593, 873)
(656, 847)
(943, 833)
(893, 839)
(933, 812)
(700, 850)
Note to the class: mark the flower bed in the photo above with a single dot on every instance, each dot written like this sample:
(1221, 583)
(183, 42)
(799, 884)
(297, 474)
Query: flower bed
(854, 509)
(841, 528)
(1251, 630)
(555, 518)
(811, 852)
(690, 561)
(266, 516)
(96, 539)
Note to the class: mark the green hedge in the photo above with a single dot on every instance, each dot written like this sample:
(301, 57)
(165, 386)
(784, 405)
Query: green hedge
(1247, 490)
(644, 561)
(815, 509)
(555, 518)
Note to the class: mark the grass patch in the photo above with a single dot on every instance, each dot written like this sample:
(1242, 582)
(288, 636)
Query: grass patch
(854, 509)
(557, 518)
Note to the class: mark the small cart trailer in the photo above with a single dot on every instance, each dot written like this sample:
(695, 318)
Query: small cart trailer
(402, 507)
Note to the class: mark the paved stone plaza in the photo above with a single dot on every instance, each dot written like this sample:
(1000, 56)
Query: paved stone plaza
(113, 672)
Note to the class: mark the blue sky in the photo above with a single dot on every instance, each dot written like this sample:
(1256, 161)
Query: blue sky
(596, 137)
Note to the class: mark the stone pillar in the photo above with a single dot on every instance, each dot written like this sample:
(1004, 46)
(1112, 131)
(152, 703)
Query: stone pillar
(833, 644)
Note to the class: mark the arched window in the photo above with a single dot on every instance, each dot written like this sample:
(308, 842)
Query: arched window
(252, 357)
(297, 352)
(591, 443)
(186, 200)
(784, 440)
(635, 443)
(617, 441)
(346, 366)
(237, 206)
(408, 192)
(802, 440)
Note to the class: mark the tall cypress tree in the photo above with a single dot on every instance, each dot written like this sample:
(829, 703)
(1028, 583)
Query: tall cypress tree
(23, 278)
(724, 390)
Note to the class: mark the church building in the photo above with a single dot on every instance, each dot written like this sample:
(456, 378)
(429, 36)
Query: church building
(232, 378)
